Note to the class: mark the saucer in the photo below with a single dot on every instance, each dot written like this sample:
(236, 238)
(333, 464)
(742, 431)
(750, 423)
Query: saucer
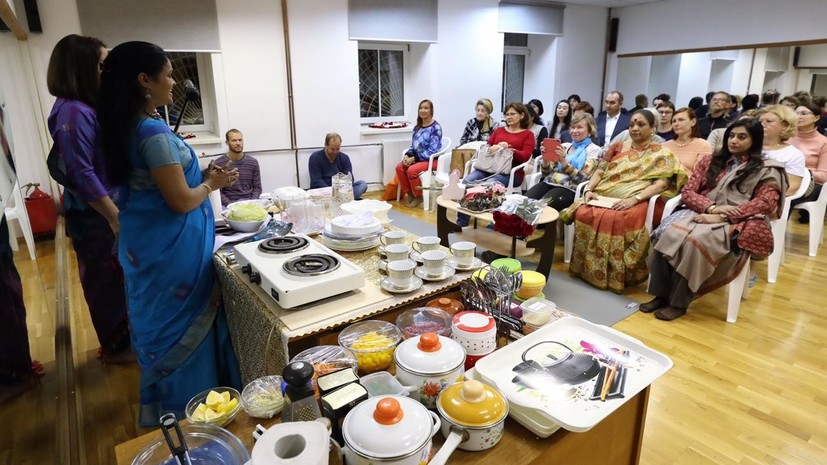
(447, 272)
(477, 263)
(385, 283)
(416, 256)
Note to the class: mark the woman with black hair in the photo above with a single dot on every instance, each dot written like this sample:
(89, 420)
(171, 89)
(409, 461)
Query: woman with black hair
(179, 329)
(537, 106)
(562, 119)
(730, 199)
(89, 198)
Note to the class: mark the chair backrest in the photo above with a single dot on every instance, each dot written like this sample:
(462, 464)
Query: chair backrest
(445, 145)
(805, 183)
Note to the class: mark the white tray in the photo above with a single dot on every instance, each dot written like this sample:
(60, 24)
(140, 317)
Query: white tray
(570, 406)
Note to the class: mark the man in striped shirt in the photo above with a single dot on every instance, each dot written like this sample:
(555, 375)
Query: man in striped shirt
(248, 185)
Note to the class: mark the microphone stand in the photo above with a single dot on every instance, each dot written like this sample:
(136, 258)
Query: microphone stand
(181, 115)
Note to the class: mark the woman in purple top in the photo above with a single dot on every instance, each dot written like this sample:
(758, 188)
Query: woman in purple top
(90, 202)
(426, 140)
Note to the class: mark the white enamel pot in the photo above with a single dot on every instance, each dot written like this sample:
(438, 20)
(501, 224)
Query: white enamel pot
(391, 430)
(473, 418)
(427, 364)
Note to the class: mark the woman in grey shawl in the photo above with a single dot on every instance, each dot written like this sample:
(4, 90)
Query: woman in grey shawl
(730, 198)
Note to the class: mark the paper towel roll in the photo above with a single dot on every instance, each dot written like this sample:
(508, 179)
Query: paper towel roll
(293, 443)
(215, 202)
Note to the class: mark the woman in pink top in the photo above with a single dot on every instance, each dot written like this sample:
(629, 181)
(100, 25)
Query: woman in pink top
(687, 145)
(814, 147)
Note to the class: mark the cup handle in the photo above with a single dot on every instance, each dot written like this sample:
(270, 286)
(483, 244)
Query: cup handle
(383, 265)
(382, 240)
(414, 246)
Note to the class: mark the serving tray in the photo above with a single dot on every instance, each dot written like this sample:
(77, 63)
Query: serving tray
(570, 405)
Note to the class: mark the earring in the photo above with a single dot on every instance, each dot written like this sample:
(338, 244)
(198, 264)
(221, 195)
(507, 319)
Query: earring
(147, 96)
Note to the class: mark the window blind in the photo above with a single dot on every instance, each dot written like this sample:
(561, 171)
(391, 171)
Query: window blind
(530, 18)
(398, 21)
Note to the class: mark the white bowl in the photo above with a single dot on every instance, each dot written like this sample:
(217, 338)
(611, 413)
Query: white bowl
(243, 226)
(378, 208)
(263, 203)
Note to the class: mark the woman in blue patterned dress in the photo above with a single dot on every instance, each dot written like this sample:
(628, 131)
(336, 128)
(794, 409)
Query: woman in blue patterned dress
(179, 329)
(426, 140)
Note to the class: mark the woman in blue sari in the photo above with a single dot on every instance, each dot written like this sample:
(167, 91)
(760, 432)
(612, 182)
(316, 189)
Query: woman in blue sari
(179, 329)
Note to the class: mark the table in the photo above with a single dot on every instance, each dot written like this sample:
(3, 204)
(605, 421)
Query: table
(496, 242)
(616, 440)
(265, 336)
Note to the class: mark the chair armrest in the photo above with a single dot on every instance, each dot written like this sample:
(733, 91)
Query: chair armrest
(671, 205)
(578, 192)
(514, 172)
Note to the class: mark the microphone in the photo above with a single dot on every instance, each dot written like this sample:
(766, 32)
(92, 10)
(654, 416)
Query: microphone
(191, 91)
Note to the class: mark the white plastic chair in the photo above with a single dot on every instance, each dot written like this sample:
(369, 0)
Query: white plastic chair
(444, 171)
(443, 157)
(737, 289)
(816, 209)
(779, 230)
(18, 212)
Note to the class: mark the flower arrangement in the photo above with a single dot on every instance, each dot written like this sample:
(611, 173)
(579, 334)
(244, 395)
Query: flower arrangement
(518, 217)
(483, 197)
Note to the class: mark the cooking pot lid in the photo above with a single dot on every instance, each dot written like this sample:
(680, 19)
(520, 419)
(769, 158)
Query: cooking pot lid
(429, 353)
(472, 403)
(387, 427)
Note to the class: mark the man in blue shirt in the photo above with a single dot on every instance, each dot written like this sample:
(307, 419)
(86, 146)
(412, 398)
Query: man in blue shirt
(326, 163)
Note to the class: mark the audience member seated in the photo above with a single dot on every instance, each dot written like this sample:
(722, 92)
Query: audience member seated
(479, 127)
(624, 135)
(661, 98)
(718, 114)
(770, 97)
(730, 198)
(516, 136)
(540, 132)
(780, 124)
(248, 185)
(641, 102)
(716, 137)
(537, 106)
(686, 145)
(703, 111)
(577, 161)
(665, 111)
(580, 108)
(613, 121)
(330, 161)
(695, 103)
(574, 99)
(561, 121)
(611, 244)
(814, 147)
(790, 102)
(425, 141)
(750, 102)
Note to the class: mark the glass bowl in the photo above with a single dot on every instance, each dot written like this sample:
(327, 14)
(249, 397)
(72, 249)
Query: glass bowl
(206, 444)
(373, 343)
(262, 397)
(423, 320)
(223, 418)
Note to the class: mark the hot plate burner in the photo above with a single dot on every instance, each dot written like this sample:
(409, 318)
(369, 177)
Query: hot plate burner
(280, 245)
(310, 265)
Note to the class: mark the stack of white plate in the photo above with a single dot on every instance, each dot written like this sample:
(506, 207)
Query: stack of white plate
(352, 233)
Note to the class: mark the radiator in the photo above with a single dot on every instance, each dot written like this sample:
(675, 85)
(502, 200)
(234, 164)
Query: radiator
(391, 156)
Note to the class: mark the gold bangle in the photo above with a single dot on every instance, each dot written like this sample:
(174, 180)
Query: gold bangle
(209, 189)
(711, 208)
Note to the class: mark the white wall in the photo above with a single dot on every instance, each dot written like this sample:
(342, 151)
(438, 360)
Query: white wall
(712, 23)
(813, 56)
(580, 51)
(539, 73)
(633, 78)
(693, 80)
(664, 75)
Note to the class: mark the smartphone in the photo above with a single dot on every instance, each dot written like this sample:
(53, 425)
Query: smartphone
(551, 146)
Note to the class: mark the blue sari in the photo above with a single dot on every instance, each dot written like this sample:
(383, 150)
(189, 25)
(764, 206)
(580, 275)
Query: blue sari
(179, 331)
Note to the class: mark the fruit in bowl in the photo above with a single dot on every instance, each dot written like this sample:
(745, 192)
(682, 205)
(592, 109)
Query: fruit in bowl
(216, 406)
(373, 343)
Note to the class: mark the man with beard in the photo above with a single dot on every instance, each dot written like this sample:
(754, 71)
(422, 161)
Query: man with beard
(248, 185)
(718, 116)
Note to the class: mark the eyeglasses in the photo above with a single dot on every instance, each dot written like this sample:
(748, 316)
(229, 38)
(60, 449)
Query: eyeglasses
(511, 114)
(804, 113)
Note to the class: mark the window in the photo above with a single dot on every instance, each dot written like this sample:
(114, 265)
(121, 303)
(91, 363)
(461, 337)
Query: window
(199, 114)
(514, 58)
(382, 82)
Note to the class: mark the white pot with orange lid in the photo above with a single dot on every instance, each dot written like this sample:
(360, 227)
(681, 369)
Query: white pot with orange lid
(427, 364)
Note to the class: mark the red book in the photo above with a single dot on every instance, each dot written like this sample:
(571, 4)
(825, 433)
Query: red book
(551, 146)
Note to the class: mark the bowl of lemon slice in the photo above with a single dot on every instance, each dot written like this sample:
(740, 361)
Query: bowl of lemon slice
(216, 406)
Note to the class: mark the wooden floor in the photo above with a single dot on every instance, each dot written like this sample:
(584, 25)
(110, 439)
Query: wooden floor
(754, 392)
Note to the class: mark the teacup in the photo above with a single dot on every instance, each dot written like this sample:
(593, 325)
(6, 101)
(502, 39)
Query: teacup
(425, 243)
(392, 237)
(401, 273)
(397, 252)
(464, 252)
(434, 261)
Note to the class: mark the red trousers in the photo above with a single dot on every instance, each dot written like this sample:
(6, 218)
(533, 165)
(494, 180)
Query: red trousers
(409, 176)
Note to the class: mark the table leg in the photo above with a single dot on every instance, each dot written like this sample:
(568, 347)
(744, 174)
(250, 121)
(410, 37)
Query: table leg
(545, 244)
(443, 226)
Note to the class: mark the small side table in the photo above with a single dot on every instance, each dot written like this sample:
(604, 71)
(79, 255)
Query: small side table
(496, 242)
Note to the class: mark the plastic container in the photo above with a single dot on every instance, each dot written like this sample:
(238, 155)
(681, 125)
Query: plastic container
(451, 306)
(326, 359)
(509, 264)
(373, 343)
(537, 311)
(533, 284)
(262, 397)
(382, 383)
(206, 443)
(423, 320)
(476, 332)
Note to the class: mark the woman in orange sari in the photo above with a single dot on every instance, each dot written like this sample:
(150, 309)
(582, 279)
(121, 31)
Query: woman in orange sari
(611, 244)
